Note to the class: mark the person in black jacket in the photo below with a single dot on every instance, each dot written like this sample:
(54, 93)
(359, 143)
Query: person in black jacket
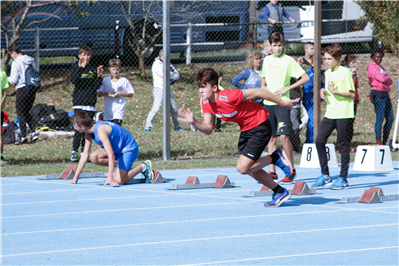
(87, 79)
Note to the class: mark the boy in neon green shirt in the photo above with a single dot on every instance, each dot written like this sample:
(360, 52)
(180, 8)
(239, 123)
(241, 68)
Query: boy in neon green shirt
(277, 71)
(3, 96)
(339, 95)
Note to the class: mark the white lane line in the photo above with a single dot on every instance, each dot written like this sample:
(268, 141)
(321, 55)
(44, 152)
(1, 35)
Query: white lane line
(174, 222)
(297, 255)
(203, 239)
(343, 208)
(128, 209)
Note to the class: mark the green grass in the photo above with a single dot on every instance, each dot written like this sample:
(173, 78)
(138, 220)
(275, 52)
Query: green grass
(188, 149)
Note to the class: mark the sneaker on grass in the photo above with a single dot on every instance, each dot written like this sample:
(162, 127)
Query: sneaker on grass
(74, 156)
(340, 183)
(147, 171)
(322, 182)
(278, 199)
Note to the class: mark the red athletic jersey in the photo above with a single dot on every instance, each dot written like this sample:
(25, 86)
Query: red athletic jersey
(231, 106)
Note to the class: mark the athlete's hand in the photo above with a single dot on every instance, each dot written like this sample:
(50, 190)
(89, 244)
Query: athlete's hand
(291, 103)
(331, 87)
(112, 182)
(186, 115)
(100, 71)
(72, 182)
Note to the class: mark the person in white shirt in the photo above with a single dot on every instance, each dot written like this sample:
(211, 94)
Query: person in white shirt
(115, 89)
(157, 75)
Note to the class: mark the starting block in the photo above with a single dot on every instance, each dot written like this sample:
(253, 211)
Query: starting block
(300, 189)
(192, 182)
(157, 179)
(69, 173)
(371, 195)
(310, 158)
(373, 158)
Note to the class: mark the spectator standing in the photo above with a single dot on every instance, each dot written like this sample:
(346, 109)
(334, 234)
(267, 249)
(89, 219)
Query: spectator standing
(274, 13)
(87, 79)
(3, 97)
(350, 63)
(339, 112)
(380, 83)
(25, 96)
(252, 74)
(157, 75)
(277, 71)
(115, 89)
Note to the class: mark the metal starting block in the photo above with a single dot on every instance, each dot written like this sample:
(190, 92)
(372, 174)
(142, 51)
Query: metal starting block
(371, 195)
(300, 189)
(157, 179)
(192, 182)
(69, 173)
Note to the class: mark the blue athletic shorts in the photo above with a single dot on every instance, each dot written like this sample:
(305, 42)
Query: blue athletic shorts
(126, 160)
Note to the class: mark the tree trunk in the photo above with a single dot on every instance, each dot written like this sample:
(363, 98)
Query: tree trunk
(142, 65)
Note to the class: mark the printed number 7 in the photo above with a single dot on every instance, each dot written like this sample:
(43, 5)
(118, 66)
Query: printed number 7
(382, 158)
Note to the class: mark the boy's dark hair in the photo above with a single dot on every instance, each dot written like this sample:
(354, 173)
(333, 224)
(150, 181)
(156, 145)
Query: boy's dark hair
(307, 44)
(84, 49)
(349, 58)
(207, 75)
(114, 63)
(335, 50)
(276, 37)
(82, 118)
(14, 48)
(376, 51)
(220, 74)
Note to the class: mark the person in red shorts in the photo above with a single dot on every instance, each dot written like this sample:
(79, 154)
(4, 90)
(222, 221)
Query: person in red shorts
(235, 106)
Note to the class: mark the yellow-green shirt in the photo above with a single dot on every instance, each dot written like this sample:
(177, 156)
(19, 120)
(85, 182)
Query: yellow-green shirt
(4, 82)
(339, 107)
(278, 71)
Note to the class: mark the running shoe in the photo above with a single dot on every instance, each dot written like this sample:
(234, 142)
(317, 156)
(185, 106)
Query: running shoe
(340, 183)
(283, 162)
(147, 172)
(180, 129)
(274, 176)
(147, 130)
(74, 156)
(289, 179)
(34, 136)
(278, 198)
(322, 182)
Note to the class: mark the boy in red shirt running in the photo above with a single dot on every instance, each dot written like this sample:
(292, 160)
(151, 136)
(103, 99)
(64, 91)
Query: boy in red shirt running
(256, 130)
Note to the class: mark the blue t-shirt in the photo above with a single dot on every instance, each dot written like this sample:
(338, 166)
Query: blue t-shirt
(121, 139)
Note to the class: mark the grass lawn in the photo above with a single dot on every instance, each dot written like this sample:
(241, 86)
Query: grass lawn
(188, 149)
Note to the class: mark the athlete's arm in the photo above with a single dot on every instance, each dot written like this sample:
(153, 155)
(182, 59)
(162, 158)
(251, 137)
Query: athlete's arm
(83, 159)
(103, 132)
(265, 94)
(205, 127)
(304, 79)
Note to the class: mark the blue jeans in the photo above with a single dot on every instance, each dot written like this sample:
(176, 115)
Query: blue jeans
(310, 127)
(383, 109)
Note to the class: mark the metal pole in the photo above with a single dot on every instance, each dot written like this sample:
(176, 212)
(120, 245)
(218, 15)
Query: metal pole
(166, 80)
(117, 46)
(188, 49)
(317, 67)
(37, 48)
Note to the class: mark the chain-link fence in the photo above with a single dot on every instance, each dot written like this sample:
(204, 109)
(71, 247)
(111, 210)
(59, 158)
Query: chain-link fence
(217, 34)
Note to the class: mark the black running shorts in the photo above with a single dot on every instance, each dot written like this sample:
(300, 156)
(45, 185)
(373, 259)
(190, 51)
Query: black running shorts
(253, 142)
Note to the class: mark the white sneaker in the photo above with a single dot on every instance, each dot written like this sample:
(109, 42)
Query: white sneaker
(34, 136)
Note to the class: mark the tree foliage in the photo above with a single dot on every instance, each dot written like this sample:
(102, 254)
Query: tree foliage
(385, 18)
(16, 13)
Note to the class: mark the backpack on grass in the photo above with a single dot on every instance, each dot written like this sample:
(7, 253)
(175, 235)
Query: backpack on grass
(39, 111)
(59, 120)
(32, 78)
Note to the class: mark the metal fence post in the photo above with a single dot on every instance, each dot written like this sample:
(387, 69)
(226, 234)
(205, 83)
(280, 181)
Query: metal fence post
(317, 67)
(37, 48)
(188, 49)
(166, 80)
